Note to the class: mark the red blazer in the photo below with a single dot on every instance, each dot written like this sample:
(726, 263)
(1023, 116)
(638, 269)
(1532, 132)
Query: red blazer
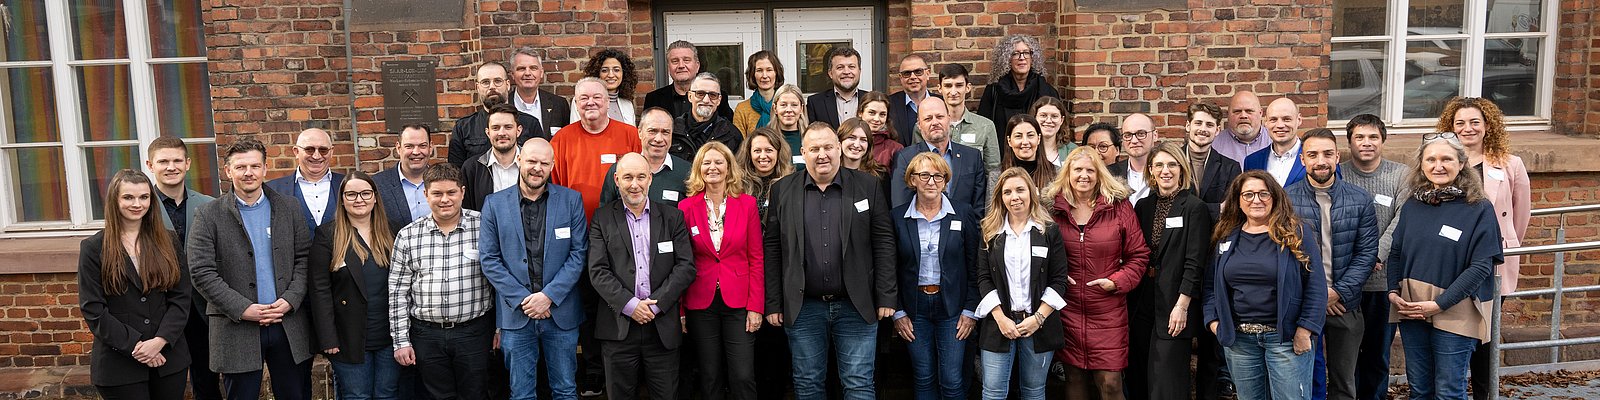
(738, 267)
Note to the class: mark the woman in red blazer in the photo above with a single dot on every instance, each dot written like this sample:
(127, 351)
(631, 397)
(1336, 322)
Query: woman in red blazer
(725, 303)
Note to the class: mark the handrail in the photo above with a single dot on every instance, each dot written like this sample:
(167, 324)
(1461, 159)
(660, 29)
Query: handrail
(1552, 248)
(1557, 291)
(1564, 210)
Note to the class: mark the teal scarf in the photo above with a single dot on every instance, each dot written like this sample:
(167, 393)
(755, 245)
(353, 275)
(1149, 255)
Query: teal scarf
(762, 106)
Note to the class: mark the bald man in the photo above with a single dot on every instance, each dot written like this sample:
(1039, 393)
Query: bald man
(1243, 133)
(533, 248)
(640, 263)
(1138, 139)
(313, 181)
(969, 180)
(1282, 157)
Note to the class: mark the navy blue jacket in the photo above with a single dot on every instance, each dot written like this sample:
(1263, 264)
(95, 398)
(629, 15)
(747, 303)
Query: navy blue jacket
(958, 263)
(1258, 160)
(969, 184)
(287, 185)
(1302, 293)
(1355, 233)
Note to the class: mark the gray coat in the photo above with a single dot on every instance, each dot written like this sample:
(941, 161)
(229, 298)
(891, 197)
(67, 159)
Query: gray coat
(223, 269)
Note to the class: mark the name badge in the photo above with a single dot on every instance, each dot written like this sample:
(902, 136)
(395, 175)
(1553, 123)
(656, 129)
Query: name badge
(969, 137)
(664, 247)
(798, 160)
(861, 206)
(1450, 232)
(269, 231)
(955, 225)
(563, 233)
(1495, 173)
(1383, 200)
(694, 231)
(765, 202)
(669, 195)
(608, 158)
(1040, 251)
(1223, 247)
(470, 254)
(1174, 222)
(553, 131)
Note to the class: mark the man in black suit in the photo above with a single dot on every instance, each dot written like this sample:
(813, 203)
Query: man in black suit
(1213, 172)
(495, 169)
(640, 263)
(830, 267)
(1138, 140)
(969, 180)
(467, 139)
(904, 105)
(839, 104)
(527, 70)
(683, 62)
(313, 182)
(702, 125)
(404, 197)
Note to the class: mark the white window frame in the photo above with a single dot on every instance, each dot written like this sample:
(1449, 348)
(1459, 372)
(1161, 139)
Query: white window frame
(1476, 20)
(68, 113)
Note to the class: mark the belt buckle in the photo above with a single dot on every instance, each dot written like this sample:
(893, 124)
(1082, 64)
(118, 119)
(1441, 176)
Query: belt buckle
(827, 297)
(930, 289)
(1256, 328)
(447, 325)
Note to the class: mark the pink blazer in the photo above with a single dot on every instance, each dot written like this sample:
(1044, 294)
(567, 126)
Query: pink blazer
(737, 269)
(1507, 188)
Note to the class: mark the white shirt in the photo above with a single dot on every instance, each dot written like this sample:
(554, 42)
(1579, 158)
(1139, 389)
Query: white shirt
(504, 175)
(525, 107)
(315, 193)
(1019, 260)
(1137, 184)
(1279, 165)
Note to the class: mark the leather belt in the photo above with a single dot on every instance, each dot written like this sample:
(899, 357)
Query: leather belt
(1018, 316)
(1256, 328)
(929, 289)
(443, 325)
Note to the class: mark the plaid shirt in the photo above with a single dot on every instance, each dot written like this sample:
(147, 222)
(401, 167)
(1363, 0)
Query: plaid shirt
(436, 276)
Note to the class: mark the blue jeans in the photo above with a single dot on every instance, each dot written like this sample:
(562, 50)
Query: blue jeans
(1264, 368)
(854, 342)
(1033, 369)
(376, 377)
(1436, 361)
(523, 348)
(936, 354)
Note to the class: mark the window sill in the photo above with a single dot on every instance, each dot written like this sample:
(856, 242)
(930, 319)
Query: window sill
(1542, 151)
(40, 255)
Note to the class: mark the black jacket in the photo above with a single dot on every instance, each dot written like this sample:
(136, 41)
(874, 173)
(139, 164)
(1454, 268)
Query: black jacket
(668, 99)
(824, 107)
(869, 246)
(1047, 272)
(904, 118)
(688, 135)
(1218, 174)
(1177, 263)
(339, 301)
(611, 270)
(478, 181)
(469, 138)
(554, 111)
(118, 322)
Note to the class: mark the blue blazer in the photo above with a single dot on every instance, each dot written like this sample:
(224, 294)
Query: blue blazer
(969, 186)
(958, 264)
(287, 185)
(1302, 294)
(394, 198)
(1258, 160)
(504, 251)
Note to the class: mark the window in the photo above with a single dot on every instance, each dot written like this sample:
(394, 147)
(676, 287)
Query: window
(84, 85)
(1404, 59)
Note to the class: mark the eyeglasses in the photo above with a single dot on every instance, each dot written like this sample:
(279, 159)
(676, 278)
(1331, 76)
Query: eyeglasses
(496, 82)
(316, 150)
(1438, 135)
(1103, 147)
(363, 195)
(1140, 134)
(707, 94)
(1022, 55)
(914, 72)
(928, 177)
(1256, 196)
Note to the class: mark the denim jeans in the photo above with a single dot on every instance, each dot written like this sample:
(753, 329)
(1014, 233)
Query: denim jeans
(523, 348)
(1032, 367)
(1265, 368)
(936, 354)
(833, 327)
(376, 377)
(1436, 361)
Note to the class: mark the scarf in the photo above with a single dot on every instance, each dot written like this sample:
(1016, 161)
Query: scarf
(1163, 206)
(1015, 98)
(1439, 195)
(762, 107)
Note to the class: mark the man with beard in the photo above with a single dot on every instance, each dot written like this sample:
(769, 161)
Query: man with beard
(467, 139)
(1344, 216)
(527, 69)
(683, 62)
(904, 104)
(669, 172)
(586, 149)
(969, 180)
(833, 106)
(312, 182)
(401, 187)
(1138, 139)
(1368, 170)
(496, 169)
(1212, 172)
(1282, 158)
(1244, 134)
(701, 124)
(533, 251)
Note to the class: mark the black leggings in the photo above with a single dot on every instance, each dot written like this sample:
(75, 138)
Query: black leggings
(156, 388)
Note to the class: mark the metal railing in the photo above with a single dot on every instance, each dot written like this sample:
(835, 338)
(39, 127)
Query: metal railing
(1557, 291)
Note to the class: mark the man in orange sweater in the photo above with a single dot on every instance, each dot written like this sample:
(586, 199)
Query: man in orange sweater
(586, 149)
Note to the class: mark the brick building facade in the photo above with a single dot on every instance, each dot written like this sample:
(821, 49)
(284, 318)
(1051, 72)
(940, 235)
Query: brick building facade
(277, 67)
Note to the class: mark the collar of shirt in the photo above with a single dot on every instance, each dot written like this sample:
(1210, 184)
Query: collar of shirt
(407, 182)
(845, 97)
(642, 215)
(944, 209)
(1261, 134)
(164, 199)
(259, 199)
(936, 150)
(298, 178)
(665, 165)
(467, 217)
(488, 158)
(1287, 154)
(1031, 226)
(838, 178)
(913, 103)
(531, 104)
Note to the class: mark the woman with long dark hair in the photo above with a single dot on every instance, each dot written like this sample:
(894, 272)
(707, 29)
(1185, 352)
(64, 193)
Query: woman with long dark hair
(349, 275)
(885, 141)
(1177, 226)
(1055, 129)
(856, 148)
(1025, 150)
(134, 297)
(765, 158)
(615, 69)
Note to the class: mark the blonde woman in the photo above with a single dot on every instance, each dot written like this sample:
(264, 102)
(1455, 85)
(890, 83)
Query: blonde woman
(1022, 272)
(789, 115)
(726, 301)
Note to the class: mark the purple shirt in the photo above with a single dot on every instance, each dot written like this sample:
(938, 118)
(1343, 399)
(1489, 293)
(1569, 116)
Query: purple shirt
(639, 230)
(1227, 146)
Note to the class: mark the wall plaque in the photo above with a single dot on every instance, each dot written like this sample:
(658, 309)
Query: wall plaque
(408, 93)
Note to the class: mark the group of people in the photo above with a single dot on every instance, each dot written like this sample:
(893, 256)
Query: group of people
(741, 252)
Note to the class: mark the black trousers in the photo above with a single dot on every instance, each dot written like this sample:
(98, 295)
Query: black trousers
(157, 388)
(207, 385)
(1481, 375)
(726, 354)
(290, 380)
(1158, 369)
(454, 361)
(640, 355)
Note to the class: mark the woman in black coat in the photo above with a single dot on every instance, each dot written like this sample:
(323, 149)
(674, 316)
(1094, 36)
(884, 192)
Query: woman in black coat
(135, 297)
(1022, 248)
(1163, 313)
(349, 273)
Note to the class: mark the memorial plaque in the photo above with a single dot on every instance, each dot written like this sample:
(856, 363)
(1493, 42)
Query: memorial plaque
(406, 15)
(408, 94)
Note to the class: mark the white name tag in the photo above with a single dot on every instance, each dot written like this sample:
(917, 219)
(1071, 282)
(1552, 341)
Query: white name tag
(861, 206)
(608, 158)
(765, 202)
(1450, 232)
(669, 195)
(694, 231)
(553, 131)
(563, 233)
(664, 247)
(1223, 247)
(1174, 222)
(1040, 251)
(1495, 174)
(969, 137)
(470, 254)
(798, 160)
(955, 225)
(1383, 200)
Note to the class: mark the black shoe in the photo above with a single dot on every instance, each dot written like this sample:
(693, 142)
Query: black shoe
(1058, 370)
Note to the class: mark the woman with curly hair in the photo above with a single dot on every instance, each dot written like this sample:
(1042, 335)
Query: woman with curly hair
(1263, 301)
(1481, 127)
(1018, 80)
(615, 69)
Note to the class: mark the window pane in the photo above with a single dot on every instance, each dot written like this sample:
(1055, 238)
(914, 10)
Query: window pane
(26, 33)
(1515, 16)
(101, 164)
(204, 171)
(1436, 17)
(1356, 83)
(99, 30)
(1433, 68)
(1360, 17)
(814, 65)
(39, 184)
(30, 106)
(727, 63)
(1510, 74)
(183, 100)
(106, 114)
(176, 29)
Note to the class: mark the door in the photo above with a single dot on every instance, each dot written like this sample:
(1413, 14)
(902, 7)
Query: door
(805, 35)
(723, 40)
(801, 37)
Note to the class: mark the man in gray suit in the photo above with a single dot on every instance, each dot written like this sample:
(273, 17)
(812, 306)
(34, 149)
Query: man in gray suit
(168, 162)
(254, 286)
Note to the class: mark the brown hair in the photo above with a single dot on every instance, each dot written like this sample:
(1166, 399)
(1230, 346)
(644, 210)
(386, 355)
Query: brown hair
(1283, 227)
(868, 164)
(1064, 133)
(888, 124)
(775, 139)
(344, 230)
(750, 70)
(158, 261)
(1045, 170)
(166, 142)
(1496, 142)
(1185, 174)
(995, 218)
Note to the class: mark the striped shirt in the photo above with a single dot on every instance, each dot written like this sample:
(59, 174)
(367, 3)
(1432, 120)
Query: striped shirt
(436, 276)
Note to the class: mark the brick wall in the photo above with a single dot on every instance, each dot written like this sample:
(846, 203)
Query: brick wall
(1577, 82)
(41, 326)
(967, 32)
